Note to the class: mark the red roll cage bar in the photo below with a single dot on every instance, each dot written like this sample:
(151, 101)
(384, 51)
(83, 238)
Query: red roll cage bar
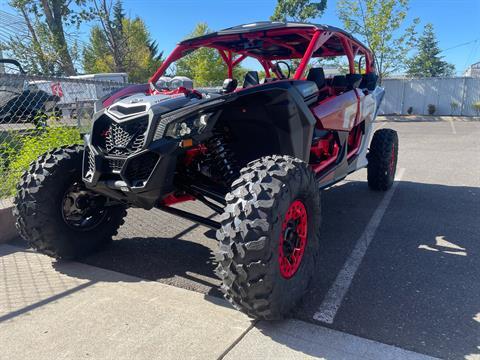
(315, 36)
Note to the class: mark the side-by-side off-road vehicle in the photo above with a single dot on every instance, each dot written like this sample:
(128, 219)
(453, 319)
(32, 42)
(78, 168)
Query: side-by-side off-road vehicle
(257, 152)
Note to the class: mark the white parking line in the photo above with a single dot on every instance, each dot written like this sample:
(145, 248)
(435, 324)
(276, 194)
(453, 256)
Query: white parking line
(379, 125)
(452, 125)
(330, 305)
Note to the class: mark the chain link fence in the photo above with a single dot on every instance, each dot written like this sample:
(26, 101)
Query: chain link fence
(457, 96)
(38, 113)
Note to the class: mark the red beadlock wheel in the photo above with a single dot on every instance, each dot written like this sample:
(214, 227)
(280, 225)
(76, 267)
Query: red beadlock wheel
(266, 262)
(293, 239)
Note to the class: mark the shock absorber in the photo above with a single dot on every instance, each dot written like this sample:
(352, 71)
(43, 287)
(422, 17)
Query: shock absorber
(221, 160)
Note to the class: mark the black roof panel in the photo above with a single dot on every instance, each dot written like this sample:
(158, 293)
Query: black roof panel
(264, 26)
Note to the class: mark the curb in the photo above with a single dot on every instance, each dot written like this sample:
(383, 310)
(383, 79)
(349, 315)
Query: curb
(8, 230)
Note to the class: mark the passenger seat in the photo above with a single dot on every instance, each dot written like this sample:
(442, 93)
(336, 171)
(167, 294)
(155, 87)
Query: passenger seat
(251, 79)
(339, 84)
(317, 75)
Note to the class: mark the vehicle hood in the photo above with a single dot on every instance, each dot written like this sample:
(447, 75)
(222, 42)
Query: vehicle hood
(160, 104)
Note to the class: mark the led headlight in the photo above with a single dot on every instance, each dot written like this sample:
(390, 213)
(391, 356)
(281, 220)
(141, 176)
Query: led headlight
(187, 127)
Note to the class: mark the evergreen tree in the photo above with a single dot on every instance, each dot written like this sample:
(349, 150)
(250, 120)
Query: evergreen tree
(428, 62)
(121, 44)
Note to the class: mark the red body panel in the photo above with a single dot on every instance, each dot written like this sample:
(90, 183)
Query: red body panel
(338, 112)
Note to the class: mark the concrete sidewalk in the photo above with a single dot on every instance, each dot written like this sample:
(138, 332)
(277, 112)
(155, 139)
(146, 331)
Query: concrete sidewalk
(68, 310)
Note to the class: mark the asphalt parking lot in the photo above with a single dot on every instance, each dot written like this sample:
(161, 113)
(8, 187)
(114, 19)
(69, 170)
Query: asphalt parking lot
(401, 267)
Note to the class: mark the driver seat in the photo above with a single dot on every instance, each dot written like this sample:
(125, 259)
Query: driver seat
(251, 79)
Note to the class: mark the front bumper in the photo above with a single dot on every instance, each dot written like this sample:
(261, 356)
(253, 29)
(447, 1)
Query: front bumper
(139, 178)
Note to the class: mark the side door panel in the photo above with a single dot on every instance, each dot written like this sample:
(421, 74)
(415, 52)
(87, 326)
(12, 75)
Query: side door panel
(338, 113)
(367, 107)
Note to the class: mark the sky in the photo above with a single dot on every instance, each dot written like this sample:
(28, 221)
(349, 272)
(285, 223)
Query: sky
(456, 22)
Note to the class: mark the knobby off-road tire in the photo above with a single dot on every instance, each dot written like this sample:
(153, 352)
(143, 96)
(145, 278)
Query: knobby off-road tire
(39, 207)
(269, 191)
(382, 159)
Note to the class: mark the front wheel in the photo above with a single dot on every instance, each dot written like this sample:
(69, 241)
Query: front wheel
(56, 214)
(269, 237)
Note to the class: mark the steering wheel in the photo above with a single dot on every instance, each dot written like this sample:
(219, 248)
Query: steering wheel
(280, 71)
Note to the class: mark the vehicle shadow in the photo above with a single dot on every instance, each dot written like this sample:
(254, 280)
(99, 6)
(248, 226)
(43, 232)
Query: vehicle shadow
(418, 285)
(425, 118)
(175, 262)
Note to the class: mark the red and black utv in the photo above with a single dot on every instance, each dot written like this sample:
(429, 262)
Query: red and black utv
(257, 152)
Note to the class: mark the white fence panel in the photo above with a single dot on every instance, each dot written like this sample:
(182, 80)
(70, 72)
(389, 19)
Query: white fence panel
(450, 96)
(392, 101)
(472, 95)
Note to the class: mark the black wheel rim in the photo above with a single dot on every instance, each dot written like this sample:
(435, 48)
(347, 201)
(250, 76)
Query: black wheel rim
(81, 209)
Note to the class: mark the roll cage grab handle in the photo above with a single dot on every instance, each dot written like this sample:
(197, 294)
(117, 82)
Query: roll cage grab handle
(318, 39)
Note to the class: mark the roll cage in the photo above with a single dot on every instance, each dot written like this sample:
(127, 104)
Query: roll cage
(271, 41)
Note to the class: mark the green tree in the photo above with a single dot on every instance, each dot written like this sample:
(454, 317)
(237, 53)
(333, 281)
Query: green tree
(120, 44)
(427, 62)
(381, 24)
(298, 10)
(48, 49)
(205, 66)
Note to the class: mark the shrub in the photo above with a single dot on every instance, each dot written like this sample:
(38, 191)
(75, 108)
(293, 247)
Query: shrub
(454, 106)
(431, 109)
(410, 110)
(476, 107)
(29, 149)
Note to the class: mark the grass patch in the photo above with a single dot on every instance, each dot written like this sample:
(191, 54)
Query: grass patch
(19, 150)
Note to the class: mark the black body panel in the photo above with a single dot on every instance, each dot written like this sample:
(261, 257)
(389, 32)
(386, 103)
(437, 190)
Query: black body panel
(270, 119)
(129, 158)
(265, 26)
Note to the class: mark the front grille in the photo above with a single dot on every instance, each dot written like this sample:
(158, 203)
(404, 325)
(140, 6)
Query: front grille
(127, 138)
(91, 161)
(140, 168)
(88, 164)
(115, 165)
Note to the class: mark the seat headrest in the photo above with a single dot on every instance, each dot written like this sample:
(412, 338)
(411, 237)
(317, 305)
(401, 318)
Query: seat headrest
(229, 85)
(318, 76)
(353, 80)
(369, 81)
(339, 81)
(251, 79)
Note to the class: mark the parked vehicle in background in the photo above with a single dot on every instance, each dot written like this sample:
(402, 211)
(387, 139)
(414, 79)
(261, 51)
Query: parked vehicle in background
(258, 154)
(78, 97)
(21, 101)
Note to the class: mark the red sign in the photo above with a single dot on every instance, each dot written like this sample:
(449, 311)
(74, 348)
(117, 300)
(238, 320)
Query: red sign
(56, 89)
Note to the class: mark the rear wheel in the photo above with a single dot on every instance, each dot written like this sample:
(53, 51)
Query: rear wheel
(269, 237)
(382, 159)
(57, 214)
